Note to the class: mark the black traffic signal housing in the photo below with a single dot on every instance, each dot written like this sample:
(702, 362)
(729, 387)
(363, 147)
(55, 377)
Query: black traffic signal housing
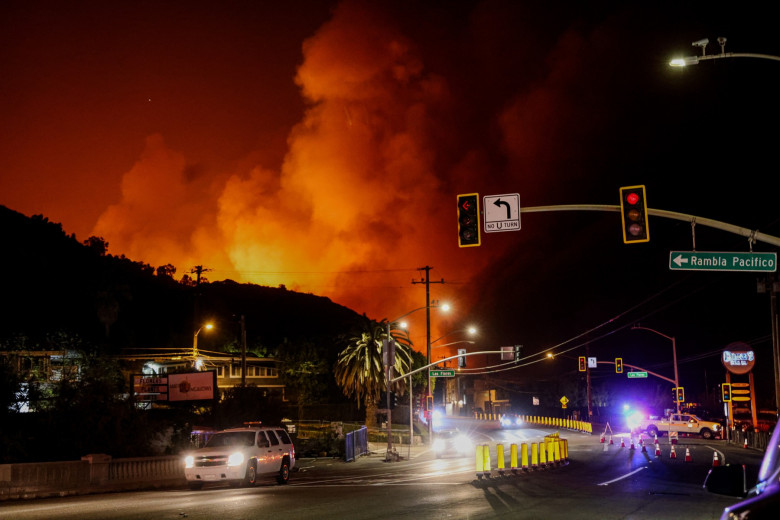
(725, 389)
(518, 349)
(468, 220)
(428, 403)
(680, 394)
(619, 365)
(583, 364)
(633, 214)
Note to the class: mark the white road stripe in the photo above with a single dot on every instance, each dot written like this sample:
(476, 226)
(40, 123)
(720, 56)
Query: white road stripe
(622, 477)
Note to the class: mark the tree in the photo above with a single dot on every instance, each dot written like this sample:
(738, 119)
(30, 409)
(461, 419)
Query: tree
(304, 372)
(359, 370)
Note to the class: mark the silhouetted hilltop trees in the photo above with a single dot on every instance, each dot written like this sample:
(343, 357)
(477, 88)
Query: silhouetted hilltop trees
(60, 293)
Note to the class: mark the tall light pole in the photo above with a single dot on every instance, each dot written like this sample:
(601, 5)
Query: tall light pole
(694, 60)
(674, 357)
(390, 363)
(207, 326)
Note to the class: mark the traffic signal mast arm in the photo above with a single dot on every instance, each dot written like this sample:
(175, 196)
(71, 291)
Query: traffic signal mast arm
(640, 369)
(433, 364)
(747, 233)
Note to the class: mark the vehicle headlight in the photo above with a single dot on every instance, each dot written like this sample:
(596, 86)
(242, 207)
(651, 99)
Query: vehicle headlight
(519, 421)
(236, 459)
(189, 461)
(438, 445)
(463, 444)
(505, 421)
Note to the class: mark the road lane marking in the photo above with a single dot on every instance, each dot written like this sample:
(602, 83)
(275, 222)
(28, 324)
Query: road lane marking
(622, 476)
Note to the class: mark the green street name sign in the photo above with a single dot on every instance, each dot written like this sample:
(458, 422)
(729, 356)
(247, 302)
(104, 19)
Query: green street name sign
(712, 261)
(633, 375)
(443, 373)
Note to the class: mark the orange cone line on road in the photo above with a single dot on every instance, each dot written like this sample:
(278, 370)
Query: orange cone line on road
(673, 454)
(688, 457)
(715, 461)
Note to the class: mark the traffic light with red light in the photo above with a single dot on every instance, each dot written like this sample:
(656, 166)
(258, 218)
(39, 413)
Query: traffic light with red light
(619, 365)
(726, 392)
(633, 214)
(680, 394)
(468, 220)
(583, 364)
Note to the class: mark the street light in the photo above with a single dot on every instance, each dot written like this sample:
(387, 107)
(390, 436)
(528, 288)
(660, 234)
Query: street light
(389, 375)
(694, 60)
(674, 357)
(207, 326)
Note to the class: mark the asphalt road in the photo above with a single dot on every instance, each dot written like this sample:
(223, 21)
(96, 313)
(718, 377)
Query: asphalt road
(614, 484)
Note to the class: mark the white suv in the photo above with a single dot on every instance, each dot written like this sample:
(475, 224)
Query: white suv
(240, 456)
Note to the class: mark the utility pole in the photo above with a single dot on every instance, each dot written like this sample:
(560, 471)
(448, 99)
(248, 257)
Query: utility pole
(771, 285)
(243, 351)
(427, 281)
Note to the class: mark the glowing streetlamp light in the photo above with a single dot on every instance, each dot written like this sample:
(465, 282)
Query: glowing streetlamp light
(207, 326)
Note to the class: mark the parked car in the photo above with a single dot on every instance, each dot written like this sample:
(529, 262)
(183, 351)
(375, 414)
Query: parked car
(240, 456)
(762, 501)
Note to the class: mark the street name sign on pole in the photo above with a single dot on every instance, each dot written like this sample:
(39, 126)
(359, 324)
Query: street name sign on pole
(722, 261)
(634, 375)
(502, 212)
(443, 373)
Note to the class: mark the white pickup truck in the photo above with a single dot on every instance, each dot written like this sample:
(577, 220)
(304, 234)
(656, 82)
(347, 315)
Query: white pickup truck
(680, 423)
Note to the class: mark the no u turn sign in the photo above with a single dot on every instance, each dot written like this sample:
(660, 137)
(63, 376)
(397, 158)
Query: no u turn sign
(502, 212)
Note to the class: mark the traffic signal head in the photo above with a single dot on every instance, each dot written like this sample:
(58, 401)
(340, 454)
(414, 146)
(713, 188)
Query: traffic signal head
(518, 348)
(428, 403)
(633, 214)
(619, 365)
(583, 364)
(680, 394)
(726, 392)
(468, 220)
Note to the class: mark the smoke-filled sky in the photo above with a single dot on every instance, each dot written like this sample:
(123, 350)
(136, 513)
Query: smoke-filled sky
(321, 145)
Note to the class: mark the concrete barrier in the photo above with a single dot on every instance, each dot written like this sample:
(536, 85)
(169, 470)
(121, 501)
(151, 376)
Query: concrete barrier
(94, 473)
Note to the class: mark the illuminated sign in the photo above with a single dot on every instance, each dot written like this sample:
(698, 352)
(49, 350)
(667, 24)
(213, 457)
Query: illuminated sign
(192, 386)
(738, 358)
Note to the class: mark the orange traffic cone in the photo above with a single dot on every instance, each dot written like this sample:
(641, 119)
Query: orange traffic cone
(622, 442)
(745, 443)
(602, 438)
(610, 441)
(673, 454)
(632, 444)
(688, 457)
(715, 461)
(644, 448)
(656, 439)
(657, 450)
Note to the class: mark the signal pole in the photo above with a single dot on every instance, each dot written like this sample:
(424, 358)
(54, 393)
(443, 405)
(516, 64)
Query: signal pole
(427, 281)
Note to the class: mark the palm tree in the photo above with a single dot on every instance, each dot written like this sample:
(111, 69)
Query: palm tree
(359, 370)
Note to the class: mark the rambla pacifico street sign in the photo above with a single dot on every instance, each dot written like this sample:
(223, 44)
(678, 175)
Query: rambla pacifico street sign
(714, 261)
